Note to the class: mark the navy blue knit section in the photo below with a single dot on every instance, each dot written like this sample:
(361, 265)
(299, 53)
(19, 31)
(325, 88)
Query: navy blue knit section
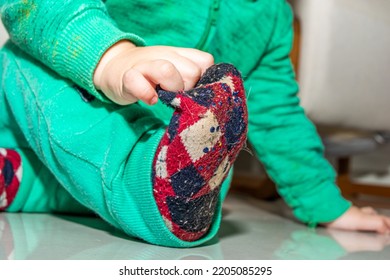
(203, 96)
(216, 73)
(193, 215)
(7, 172)
(85, 95)
(166, 96)
(173, 126)
(187, 182)
(234, 127)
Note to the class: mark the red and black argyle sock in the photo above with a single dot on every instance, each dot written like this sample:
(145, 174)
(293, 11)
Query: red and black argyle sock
(203, 139)
(10, 176)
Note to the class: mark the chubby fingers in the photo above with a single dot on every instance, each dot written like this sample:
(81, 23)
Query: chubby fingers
(377, 223)
(361, 219)
(202, 59)
(368, 210)
(140, 81)
(370, 220)
(132, 73)
(189, 71)
(136, 87)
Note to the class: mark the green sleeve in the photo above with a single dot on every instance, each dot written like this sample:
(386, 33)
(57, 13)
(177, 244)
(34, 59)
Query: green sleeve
(68, 36)
(284, 139)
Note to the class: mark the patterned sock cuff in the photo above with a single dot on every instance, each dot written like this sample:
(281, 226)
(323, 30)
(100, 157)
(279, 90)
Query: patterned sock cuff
(10, 176)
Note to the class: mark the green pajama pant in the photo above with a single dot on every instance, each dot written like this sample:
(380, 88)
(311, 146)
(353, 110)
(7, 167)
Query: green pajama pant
(79, 156)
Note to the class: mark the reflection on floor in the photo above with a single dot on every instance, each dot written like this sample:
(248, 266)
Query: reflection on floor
(251, 229)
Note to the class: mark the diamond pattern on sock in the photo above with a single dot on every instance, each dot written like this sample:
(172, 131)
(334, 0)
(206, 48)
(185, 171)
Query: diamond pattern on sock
(10, 176)
(198, 138)
(200, 219)
(187, 181)
(203, 139)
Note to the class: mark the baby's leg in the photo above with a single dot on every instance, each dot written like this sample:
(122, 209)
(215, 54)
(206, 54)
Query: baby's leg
(91, 148)
(102, 154)
(26, 185)
(10, 176)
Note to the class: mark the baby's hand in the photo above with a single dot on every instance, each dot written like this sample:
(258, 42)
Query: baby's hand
(127, 73)
(361, 219)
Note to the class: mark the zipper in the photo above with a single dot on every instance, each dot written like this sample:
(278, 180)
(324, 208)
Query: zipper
(210, 26)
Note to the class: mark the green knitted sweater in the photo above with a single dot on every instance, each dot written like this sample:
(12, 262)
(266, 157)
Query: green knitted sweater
(70, 36)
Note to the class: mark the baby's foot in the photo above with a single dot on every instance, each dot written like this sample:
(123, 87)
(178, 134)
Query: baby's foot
(10, 176)
(203, 139)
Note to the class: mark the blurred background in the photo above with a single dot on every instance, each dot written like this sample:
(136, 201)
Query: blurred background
(342, 59)
(3, 34)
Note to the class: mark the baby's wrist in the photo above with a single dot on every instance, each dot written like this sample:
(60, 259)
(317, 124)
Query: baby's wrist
(110, 53)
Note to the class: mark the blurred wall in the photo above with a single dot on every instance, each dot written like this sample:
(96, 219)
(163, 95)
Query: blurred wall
(344, 71)
(3, 34)
(345, 61)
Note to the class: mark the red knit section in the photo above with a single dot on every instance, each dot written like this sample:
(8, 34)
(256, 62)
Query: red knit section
(10, 176)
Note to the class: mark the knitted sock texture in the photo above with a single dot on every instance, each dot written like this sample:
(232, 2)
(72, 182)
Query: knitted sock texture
(203, 139)
(10, 176)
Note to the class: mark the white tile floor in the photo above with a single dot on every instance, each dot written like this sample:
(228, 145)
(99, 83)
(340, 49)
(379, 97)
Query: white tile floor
(251, 229)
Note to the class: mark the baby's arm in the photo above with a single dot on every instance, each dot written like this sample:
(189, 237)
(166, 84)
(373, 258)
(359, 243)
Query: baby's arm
(290, 147)
(68, 36)
(127, 73)
(72, 36)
